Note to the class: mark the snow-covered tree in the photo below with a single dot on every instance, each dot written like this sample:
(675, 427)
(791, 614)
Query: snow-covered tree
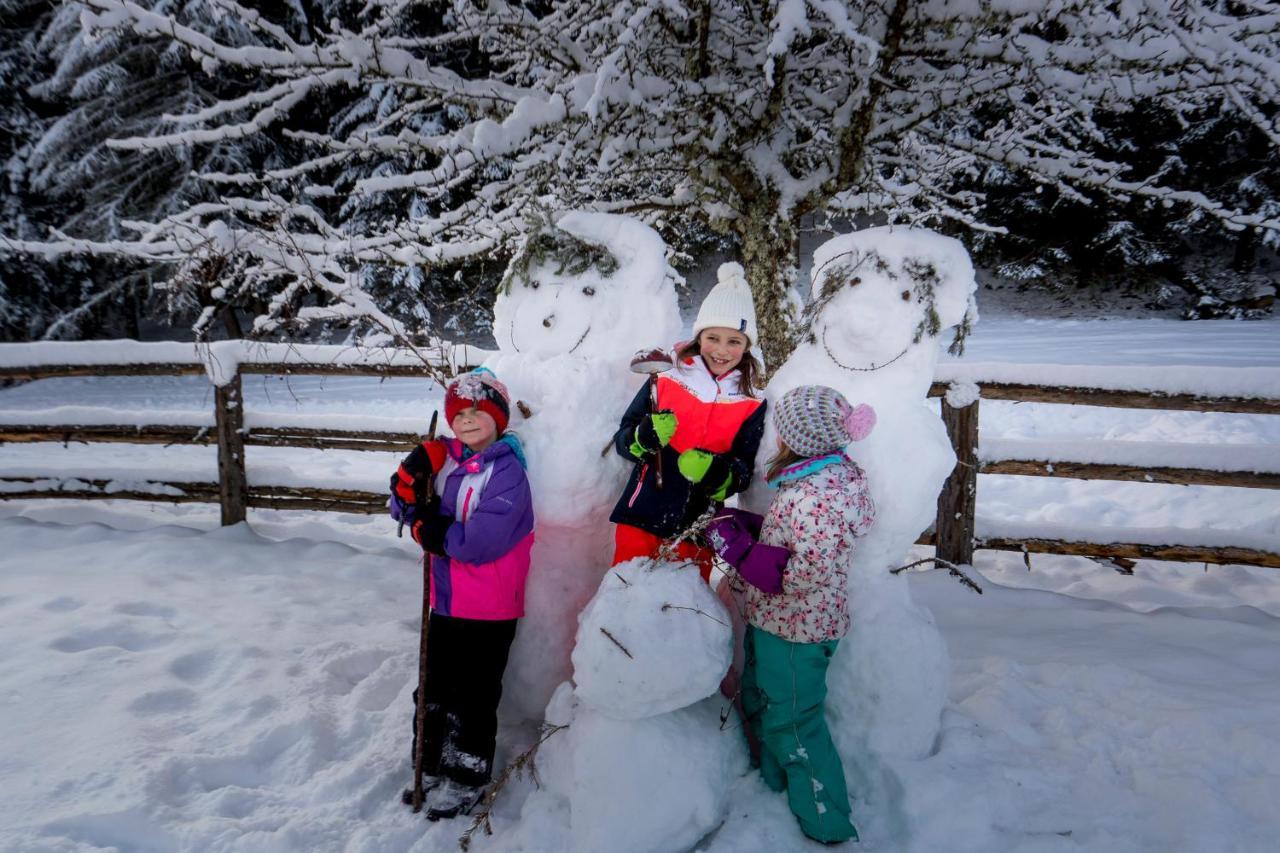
(1172, 255)
(71, 93)
(748, 117)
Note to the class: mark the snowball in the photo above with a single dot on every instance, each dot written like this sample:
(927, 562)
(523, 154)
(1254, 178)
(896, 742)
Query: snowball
(644, 786)
(961, 394)
(677, 637)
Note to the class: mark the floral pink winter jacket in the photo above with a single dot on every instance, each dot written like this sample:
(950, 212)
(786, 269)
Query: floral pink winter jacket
(816, 515)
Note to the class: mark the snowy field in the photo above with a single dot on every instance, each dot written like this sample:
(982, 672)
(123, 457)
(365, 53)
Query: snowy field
(169, 685)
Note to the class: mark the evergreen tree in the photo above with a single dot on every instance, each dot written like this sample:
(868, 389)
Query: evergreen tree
(744, 117)
(1066, 241)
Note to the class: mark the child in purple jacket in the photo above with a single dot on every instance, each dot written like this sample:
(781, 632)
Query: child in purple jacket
(477, 531)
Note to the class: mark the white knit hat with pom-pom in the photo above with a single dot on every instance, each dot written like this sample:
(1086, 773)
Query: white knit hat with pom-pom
(729, 304)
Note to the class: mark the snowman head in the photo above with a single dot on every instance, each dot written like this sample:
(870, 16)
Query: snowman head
(879, 294)
(652, 640)
(591, 284)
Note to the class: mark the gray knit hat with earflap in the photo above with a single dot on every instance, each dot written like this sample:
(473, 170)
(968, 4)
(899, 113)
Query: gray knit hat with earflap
(814, 420)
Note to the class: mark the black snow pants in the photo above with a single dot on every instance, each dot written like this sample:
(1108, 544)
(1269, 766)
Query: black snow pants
(465, 662)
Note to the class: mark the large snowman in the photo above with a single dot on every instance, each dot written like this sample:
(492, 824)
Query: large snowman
(650, 749)
(880, 298)
(597, 289)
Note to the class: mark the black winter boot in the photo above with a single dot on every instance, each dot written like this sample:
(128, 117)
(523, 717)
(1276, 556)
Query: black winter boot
(452, 799)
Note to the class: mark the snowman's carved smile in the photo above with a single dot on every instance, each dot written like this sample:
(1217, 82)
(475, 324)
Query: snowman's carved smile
(873, 366)
(547, 322)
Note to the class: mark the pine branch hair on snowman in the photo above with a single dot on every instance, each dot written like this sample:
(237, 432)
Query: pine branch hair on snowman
(725, 329)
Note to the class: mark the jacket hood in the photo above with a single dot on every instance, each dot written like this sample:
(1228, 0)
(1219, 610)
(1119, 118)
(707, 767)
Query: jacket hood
(832, 469)
(509, 443)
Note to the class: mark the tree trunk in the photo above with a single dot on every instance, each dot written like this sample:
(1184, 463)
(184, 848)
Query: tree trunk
(770, 257)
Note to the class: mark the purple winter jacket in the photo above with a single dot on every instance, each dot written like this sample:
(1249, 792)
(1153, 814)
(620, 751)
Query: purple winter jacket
(488, 544)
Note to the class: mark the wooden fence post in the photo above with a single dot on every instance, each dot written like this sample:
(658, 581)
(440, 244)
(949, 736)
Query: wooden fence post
(233, 485)
(955, 525)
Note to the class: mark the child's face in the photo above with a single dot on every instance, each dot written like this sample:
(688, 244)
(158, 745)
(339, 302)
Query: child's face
(475, 429)
(722, 349)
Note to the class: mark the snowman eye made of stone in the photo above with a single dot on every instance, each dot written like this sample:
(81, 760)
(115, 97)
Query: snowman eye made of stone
(533, 285)
(906, 296)
(589, 290)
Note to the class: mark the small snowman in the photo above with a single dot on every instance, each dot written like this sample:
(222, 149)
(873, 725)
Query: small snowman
(587, 292)
(645, 764)
(881, 297)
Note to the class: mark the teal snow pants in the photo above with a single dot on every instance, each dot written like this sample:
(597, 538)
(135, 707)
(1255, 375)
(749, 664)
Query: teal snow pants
(784, 685)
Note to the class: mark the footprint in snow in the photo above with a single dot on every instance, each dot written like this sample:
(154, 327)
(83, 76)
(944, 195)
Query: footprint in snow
(349, 670)
(119, 635)
(287, 754)
(145, 608)
(380, 689)
(163, 702)
(192, 667)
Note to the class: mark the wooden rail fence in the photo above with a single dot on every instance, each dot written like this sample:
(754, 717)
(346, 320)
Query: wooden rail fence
(953, 533)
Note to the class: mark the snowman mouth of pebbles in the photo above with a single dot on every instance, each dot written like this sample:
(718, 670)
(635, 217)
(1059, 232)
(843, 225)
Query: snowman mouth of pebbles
(865, 368)
(556, 319)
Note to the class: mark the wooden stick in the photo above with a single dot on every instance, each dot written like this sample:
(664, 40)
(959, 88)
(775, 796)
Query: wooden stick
(420, 719)
(615, 641)
(653, 409)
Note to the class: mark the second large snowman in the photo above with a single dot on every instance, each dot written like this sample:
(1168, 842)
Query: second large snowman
(881, 298)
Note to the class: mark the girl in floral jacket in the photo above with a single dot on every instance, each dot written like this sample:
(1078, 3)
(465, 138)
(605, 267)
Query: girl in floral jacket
(796, 562)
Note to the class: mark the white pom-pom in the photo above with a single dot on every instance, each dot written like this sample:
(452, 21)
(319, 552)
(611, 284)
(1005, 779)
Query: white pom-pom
(732, 272)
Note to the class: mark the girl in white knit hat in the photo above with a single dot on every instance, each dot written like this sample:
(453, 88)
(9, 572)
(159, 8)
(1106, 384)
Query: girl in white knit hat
(698, 444)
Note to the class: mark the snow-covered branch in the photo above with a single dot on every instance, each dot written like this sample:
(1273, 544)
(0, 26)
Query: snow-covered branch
(742, 116)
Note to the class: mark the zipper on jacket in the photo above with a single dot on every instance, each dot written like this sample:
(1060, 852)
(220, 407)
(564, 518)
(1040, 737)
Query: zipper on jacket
(466, 503)
(644, 469)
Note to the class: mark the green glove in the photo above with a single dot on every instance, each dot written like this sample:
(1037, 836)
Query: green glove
(708, 469)
(653, 434)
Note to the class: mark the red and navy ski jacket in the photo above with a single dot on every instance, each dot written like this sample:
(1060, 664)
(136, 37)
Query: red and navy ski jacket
(712, 415)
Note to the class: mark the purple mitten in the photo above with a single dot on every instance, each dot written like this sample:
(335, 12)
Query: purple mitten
(749, 520)
(728, 538)
(757, 564)
(762, 567)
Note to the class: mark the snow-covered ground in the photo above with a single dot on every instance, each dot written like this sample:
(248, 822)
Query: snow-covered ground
(169, 685)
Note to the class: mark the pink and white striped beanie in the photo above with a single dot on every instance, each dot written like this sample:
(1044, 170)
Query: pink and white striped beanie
(814, 420)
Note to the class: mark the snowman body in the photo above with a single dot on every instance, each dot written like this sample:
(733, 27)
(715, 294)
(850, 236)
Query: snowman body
(644, 764)
(881, 297)
(565, 341)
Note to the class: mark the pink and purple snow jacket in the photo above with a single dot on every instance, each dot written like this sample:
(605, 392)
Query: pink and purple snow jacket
(488, 544)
